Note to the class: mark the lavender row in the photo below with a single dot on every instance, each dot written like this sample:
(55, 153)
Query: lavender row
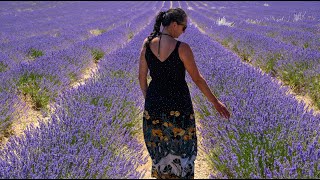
(62, 17)
(77, 55)
(61, 38)
(45, 77)
(85, 136)
(289, 63)
(269, 135)
(297, 37)
(297, 16)
(10, 102)
(233, 31)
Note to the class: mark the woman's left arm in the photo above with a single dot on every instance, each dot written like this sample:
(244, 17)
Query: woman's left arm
(143, 70)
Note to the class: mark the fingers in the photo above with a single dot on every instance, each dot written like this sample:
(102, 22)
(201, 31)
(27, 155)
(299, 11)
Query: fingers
(225, 113)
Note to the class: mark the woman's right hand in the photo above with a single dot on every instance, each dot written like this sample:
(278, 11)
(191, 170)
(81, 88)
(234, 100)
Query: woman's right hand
(221, 108)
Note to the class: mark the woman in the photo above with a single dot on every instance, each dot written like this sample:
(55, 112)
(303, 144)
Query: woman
(168, 119)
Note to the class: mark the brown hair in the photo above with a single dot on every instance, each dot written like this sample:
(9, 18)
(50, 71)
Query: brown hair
(165, 18)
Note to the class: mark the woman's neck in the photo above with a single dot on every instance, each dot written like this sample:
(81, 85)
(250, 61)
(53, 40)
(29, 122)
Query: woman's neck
(165, 31)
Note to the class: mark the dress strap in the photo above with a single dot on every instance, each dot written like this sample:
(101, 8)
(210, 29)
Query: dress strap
(177, 47)
(178, 44)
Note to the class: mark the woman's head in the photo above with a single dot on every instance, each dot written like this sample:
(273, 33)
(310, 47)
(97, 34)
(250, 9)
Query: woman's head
(174, 17)
(174, 21)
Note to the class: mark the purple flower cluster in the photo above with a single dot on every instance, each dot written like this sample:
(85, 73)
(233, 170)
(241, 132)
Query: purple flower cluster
(7, 110)
(269, 134)
(275, 57)
(90, 134)
(63, 32)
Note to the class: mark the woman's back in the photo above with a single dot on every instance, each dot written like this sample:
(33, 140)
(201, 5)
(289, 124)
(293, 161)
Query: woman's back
(168, 90)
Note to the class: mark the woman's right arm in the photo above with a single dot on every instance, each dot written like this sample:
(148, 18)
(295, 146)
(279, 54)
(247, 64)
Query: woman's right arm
(143, 70)
(187, 58)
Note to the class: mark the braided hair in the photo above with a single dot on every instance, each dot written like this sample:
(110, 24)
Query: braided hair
(165, 18)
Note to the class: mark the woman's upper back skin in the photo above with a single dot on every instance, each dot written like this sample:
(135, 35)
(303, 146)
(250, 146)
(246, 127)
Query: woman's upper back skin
(167, 46)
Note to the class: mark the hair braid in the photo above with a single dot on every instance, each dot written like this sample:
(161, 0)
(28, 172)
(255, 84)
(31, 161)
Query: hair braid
(165, 18)
(157, 25)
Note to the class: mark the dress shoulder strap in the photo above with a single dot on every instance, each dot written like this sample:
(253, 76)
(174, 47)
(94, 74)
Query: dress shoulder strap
(178, 44)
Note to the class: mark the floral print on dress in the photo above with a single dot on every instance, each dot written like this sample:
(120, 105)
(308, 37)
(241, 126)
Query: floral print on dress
(172, 144)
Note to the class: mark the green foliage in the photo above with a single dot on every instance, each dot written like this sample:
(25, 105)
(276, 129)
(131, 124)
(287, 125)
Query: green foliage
(246, 54)
(5, 125)
(72, 76)
(292, 75)
(216, 163)
(3, 67)
(28, 84)
(272, 34)
(235, 48)
(97, 55)
(225, 42)
(314, 90)
(34, 53)
(130, 35)
(118, 74)
(269, 66)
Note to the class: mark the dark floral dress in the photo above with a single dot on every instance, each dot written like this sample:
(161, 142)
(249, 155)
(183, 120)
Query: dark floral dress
(168, 119)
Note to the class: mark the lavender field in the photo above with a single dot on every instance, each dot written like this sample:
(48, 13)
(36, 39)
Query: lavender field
(71, 104)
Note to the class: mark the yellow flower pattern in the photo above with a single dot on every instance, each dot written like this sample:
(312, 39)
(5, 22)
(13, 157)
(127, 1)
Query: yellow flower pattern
(167, 133)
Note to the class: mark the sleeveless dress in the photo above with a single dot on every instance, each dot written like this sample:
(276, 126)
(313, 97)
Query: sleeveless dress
(168, 118)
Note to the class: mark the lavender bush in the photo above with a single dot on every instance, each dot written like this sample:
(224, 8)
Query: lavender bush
(281, 60)
(65, 66)
(269, 134)
(82, 139)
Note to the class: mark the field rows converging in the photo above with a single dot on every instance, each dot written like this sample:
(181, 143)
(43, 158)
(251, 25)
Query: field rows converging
(38, 82)
(71, 104)
(83, 141)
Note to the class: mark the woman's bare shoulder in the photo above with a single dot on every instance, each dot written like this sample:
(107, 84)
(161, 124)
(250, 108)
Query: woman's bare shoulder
(144, 42)
(184, 46)
(185, 51)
